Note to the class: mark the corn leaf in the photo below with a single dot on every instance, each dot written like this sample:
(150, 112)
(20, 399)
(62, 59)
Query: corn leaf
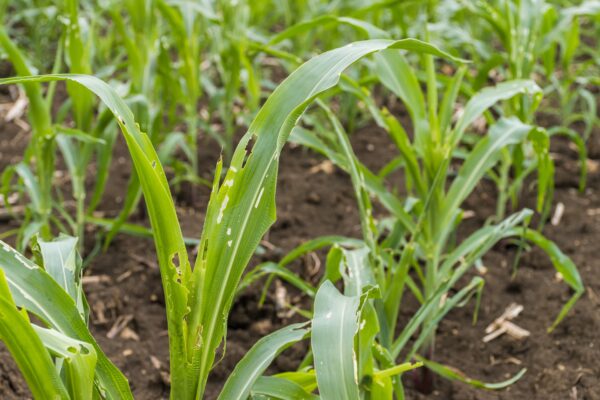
(486, 98)
(258, 358)
(27, 348)
(454, 374)
(334, 325)
(77, 360)
(279, 388)
(486, 153)
(367, 29)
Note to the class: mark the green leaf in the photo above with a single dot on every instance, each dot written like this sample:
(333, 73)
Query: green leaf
(77, 360)
(358, 274)
(240, 210)
(305, 379)
(258, 358)
(397, 75)
(278, 270)
(62, 263)
(27, 349)
(456, 375)
(78, 135)
(368, 30)
(282, 389)
(31, 185)
(161, 209)
(486, 98)
(505, 132)
(334, 326)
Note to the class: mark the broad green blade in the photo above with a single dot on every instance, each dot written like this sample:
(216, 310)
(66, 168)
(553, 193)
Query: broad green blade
(334, 325)
(486, 98)
(258, 358)
(60, 260)
(27, 349)
(279, 388)
(396, 74)
(305, 379)
(358, 271)
(367, 29)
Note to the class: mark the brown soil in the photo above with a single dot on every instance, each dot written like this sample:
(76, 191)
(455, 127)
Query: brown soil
(561, 365)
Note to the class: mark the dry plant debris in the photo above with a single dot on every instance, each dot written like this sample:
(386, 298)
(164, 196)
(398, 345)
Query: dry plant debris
(503, 324)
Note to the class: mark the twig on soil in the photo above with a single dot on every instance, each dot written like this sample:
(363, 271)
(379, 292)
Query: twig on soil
(507, 360)
(96, 279)
(119, 325)
(503, 325)
(558, 213)
(129, 334)
(592, 295)
(99, 309)
(18, 108)
(268, 245)
(592, 212)
(128, 273)
(326, 167)
(316, 264)
(8, 214)
(144, 261)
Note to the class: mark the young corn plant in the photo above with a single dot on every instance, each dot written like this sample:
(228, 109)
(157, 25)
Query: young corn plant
(413, 249)
(198, 299)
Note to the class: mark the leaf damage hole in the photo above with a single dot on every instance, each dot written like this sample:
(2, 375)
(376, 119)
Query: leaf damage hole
(176, 262)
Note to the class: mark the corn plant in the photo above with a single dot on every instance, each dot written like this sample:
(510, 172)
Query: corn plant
(240, 210)
(419, 234)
